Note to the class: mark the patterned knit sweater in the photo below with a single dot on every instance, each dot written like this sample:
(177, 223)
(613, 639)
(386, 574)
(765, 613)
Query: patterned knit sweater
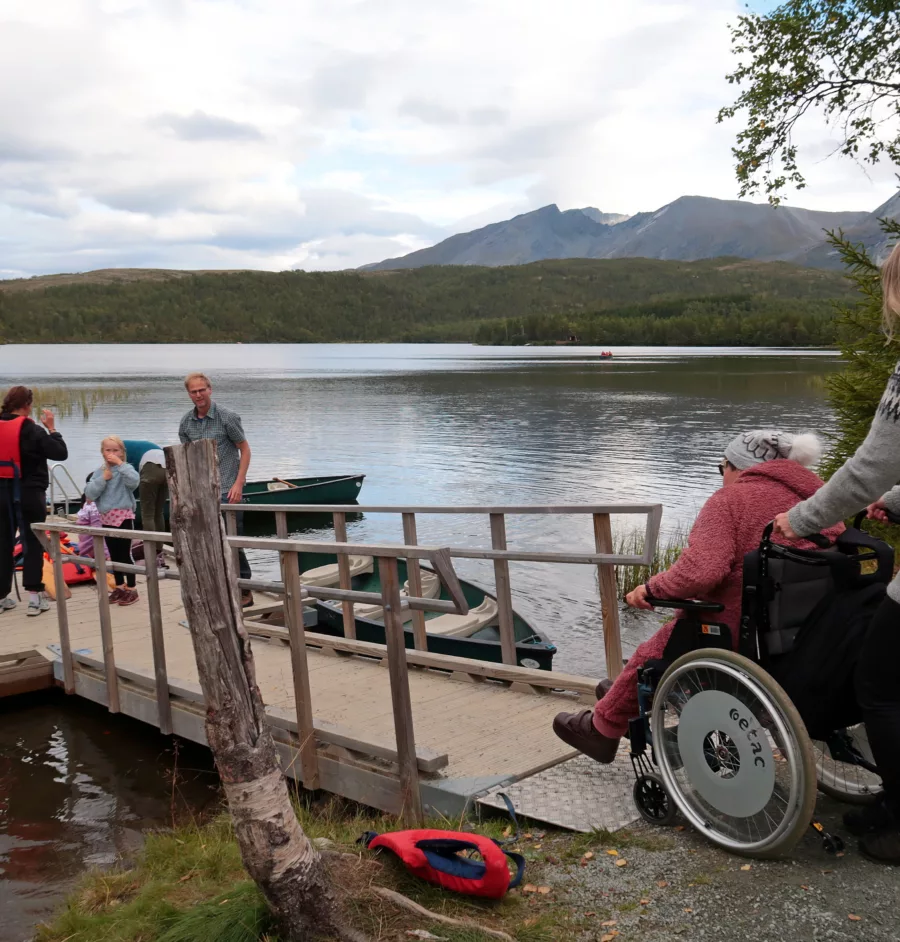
(871, 473)
(710, 568)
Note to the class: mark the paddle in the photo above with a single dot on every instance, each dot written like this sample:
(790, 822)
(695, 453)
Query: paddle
(293, 487)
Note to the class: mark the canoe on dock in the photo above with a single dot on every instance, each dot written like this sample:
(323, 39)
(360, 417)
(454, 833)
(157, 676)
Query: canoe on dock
(475, 635)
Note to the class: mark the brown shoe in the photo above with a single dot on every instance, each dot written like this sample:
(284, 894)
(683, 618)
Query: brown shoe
(603, 688)
(246, 598)
(128, 597)
(577, 730)
(116, 594)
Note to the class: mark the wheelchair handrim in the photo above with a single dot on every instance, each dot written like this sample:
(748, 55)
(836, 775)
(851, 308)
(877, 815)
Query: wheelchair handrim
(788, 746)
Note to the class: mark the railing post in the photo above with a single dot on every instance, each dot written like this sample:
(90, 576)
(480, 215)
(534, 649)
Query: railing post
(414, 571)
(62, 615)
(410, 796)
(609, 601)
(231, 530)
(293, 611)
(281, 526)
(163, 704)
(504, 595)
(340, 536)
(109, 657)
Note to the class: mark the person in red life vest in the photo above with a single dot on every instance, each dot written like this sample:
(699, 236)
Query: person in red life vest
(25, 449)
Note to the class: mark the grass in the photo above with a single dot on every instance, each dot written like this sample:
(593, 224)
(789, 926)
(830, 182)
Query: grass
(188, 885)
(632, 544)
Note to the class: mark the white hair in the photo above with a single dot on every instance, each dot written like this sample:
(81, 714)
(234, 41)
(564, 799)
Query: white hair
(806, 449)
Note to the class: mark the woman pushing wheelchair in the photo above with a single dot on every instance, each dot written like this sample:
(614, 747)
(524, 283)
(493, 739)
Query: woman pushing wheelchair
(869, 478)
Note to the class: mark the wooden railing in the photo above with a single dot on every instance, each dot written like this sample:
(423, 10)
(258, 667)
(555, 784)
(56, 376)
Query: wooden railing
(603, 556)
(295, 593)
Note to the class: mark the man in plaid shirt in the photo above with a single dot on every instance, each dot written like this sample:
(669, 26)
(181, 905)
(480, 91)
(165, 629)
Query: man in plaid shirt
(210, 420)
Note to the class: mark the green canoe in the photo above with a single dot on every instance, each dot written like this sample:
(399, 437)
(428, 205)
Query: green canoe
(447, 634)
(328, 489)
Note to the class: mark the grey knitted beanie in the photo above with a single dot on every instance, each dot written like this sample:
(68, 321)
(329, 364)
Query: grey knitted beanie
(761, 445)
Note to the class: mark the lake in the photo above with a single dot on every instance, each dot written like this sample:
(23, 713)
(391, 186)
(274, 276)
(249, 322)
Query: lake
(458, 424)
(427, 424)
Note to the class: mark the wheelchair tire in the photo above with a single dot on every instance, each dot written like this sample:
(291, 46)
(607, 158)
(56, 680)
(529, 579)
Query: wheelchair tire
(653, 801)
(846, 782)
(757, 798)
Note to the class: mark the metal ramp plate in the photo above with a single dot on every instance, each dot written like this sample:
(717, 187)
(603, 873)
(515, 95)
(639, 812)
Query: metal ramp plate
(578, 795)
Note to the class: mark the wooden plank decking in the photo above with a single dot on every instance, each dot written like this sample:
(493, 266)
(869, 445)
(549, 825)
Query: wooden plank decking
(490, 734)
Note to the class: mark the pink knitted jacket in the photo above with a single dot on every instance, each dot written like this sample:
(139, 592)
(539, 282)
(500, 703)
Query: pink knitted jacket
(711, 567)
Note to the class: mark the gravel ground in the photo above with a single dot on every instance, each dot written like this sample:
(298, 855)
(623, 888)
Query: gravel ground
(677, 885)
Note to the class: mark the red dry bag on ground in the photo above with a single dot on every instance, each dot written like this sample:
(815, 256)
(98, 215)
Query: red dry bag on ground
(437, 856)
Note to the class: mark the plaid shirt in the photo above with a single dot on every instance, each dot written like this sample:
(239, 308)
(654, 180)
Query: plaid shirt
(224, 427)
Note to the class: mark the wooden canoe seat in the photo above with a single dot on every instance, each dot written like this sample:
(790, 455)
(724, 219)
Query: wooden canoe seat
(431, 589)
(462, 626)
(325, 576)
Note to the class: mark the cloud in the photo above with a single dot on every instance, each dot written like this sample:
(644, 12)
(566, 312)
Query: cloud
(201, 126)
(330, 133)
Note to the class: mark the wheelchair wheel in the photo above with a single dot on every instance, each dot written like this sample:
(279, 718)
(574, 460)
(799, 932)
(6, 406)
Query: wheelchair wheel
(653, 801)
(847, 781)
(740, 764)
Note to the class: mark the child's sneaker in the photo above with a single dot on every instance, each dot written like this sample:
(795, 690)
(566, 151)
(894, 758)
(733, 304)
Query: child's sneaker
(128, 597)
(35, 608)
(115, 595)
(6, 604)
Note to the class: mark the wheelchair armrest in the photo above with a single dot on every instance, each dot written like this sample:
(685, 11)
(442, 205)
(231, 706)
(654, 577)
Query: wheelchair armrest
(687, 605)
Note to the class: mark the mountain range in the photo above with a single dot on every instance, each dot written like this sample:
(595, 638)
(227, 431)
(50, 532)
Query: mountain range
(688, 229)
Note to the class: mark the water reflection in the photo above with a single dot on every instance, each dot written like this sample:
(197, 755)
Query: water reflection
(69, 401)
(78, 787)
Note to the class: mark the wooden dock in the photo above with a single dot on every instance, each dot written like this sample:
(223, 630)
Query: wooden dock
(465, 726)
(470, 735)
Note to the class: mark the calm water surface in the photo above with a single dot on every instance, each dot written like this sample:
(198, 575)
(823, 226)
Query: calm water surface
(459, 424)
(78, 787)
(429, 424)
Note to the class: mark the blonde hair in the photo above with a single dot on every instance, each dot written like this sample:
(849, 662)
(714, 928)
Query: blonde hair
(116, 441)
(890, 287)
(192, 376)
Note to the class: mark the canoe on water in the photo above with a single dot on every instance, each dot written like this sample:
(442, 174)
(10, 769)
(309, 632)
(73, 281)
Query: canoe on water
(475, 635)
(327, 489)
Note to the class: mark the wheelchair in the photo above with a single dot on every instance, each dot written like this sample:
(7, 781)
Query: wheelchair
(719, 739)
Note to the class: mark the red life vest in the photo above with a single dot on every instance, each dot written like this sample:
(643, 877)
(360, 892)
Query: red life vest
(435, 856)
(10, 447)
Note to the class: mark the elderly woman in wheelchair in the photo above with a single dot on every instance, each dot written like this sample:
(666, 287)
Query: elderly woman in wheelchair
(743, 704)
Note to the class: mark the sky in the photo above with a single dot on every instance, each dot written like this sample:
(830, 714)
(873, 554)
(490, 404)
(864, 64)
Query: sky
(325, 134)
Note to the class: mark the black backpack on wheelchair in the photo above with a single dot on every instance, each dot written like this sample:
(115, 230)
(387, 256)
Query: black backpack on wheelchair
(804, 615)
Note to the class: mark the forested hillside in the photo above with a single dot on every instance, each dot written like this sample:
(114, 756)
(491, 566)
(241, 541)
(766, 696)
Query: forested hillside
(619, 301)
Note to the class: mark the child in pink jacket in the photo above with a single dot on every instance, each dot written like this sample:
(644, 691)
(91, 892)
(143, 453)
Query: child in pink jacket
(88, 516)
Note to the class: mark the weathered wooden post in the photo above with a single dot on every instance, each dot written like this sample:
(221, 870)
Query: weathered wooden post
(277, 854)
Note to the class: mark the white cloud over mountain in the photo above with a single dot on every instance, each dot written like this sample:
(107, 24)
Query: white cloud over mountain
(329, 133)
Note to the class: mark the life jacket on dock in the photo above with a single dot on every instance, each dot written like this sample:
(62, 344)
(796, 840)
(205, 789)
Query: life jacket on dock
(11, 448)
(436, 856)
(73, 572)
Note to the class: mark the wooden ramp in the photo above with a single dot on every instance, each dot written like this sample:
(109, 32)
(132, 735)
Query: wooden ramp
(472, 733)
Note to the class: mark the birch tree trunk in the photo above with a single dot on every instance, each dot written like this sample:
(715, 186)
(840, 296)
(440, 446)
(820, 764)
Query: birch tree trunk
(275, 851)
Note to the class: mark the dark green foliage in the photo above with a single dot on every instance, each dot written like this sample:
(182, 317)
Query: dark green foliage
(870, 357)
(840, 57)
(635, 300)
